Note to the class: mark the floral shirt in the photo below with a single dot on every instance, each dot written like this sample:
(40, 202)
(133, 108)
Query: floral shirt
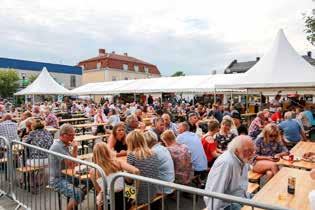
(51, 120)
(182, 163)
(41, 138)
(270, 149)
(255, 127)
(224, 140)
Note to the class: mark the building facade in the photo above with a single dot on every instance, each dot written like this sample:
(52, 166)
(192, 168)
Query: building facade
(241, 67)
(67, 76)
(112, 67)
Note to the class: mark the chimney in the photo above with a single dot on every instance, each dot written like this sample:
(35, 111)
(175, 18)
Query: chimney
(235, 61)
(257, 58)
(113, 52)
(309, 54)
(101, 52)
(125, 54)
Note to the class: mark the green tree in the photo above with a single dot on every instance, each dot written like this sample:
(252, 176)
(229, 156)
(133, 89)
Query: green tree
(32, 78)
(178, 73)
(9, 82)
(310, 28)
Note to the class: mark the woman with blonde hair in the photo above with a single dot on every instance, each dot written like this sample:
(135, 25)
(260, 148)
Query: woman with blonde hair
(142, 157)
(269, 149)
(106, 159)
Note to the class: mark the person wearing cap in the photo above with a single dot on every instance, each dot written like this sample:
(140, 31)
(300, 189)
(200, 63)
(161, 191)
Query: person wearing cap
(239, 127)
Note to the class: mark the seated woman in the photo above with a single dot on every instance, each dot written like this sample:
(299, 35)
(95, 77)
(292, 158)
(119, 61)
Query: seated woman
(224, 136)
(166, 166)
(117, 140)
(269, 148)
(41, 138)
(99, 118)
(143, 158)
(113, 117)
(209, 144)
(106, 159)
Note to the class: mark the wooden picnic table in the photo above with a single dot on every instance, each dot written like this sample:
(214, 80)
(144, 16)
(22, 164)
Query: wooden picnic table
(88, 137)
(71, 172)
(72, 120)
(275, 191)
(88, 125)
(298, 151)
(51, 129)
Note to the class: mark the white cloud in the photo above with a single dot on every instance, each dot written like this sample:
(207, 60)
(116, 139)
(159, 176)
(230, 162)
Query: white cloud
(194, 36)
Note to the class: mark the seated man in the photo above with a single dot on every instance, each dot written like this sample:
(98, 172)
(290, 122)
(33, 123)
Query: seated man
(292, 131)
(181, 157)
(60, 182)
(169, 125)
(229, 173)
(158, 127)
(256, 125)
(131, 123)
(193, 142)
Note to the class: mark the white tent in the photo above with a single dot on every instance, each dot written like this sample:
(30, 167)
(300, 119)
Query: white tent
(44, 85)
(280, 67)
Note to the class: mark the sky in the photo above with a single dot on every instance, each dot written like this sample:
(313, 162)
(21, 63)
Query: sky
(193, 36)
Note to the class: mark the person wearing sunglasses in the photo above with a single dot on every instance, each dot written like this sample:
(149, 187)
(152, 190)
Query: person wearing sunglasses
(269, 149)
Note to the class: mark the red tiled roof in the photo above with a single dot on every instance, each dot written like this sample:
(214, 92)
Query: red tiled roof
(116, 61)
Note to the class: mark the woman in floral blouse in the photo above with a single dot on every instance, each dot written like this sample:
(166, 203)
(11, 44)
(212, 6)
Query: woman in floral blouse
(269, 149)
(41, 138)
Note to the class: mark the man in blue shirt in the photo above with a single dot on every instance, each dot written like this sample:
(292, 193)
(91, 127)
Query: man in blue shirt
(292, 131)
(309, 115)
(193, 142)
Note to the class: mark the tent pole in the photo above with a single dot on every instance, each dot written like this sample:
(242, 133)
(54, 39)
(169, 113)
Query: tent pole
(25, 98)
(193, 99)
(260, 101)
(246, 101)
(135, 97)
(33, 99)
(215, 96)
(231, 100)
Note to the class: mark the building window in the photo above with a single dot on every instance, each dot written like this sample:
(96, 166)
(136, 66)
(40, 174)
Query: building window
(72, 81)
(126, 78)
(146, 69)
(98, 65)
(125, 67)
(136, 67)
(114, 78)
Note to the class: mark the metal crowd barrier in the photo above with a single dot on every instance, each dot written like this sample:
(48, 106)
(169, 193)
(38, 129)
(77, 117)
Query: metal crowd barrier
(164, 200)
(28, 180)
(26, 183)
(5, 185)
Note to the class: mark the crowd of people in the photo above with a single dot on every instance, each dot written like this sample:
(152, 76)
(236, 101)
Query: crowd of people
(184, 141)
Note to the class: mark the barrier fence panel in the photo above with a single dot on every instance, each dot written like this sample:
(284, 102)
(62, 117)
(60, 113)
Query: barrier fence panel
(43, 179)
(183, 197)
(5, 188)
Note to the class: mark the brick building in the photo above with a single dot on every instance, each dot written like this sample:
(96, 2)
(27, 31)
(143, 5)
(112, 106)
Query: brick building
(112, 66)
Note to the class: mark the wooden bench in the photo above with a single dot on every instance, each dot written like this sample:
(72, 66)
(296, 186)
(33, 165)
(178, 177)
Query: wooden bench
(27, 172)
(146, 205)
(252, 188)
(254, 177)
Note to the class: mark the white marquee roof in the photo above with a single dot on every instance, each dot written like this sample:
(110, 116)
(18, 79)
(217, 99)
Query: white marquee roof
(44, 85)
(281, 66)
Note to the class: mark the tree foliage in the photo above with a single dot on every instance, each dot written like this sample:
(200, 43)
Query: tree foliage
(310, 28)
(178, 73)
(32, 78)
(9, 82)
